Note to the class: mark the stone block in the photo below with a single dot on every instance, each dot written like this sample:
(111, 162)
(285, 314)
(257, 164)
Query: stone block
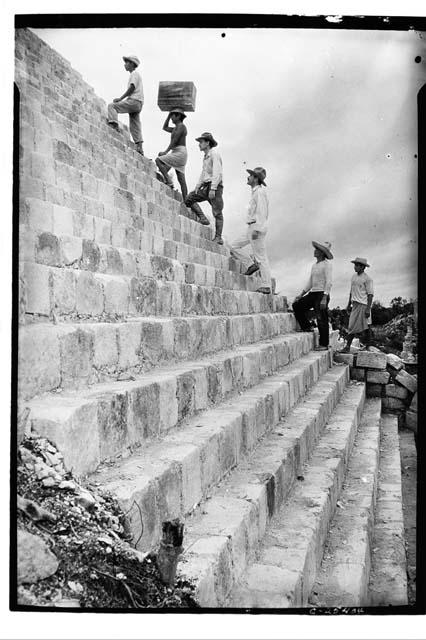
(102, 230)
(62, 220)
(143, 296)
(89, 295)
(48, 250)
(378, 377)
(413, 405)
(371, 360)
(168, 404)
(83, 225)
(390, 405)
(37, 214)
(42, 167)
(67, 177)
(129, 342)
(116, 292)
(37, 287)
(406, 380)
(63, 290)
(91, 255)
(411, 421)
(35, 561)
(105, 346)
(71, 249)
(394, 362)
(89, 185)
(113, 424)
(374, 390)
(346, 358)
(357, 373)
(76, 348)
(396, 391)
(145, 410)
(185, 392)
(38, 360)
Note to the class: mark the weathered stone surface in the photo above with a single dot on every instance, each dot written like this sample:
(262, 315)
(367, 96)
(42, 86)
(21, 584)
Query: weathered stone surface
(76, 357)
(392, 404)
(89, 295)
(394, 362)
(396, 391)
(36, 278)
(34, 559)
(63, 290)
(413, 405)
(406, 380)
(371, 360)
(411, 421)
(38, 365)
(48, 249)
(378, 377)
(62, 221)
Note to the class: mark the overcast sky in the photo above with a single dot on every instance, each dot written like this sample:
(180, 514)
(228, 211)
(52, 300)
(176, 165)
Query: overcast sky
(330, 114)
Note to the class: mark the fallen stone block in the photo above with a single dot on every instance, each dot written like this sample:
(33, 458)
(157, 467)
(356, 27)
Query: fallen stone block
(394, 361)
(357, 373)
(392, 405)
(371, 360)
(35, 560)
(374, 390)
(406, 380)
(396, 391)
(378, 377)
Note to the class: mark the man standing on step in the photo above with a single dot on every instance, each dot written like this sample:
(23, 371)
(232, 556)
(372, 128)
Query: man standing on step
(255, 235)
(359, 305)
(316, 294)
(209, 186)
(130, 102)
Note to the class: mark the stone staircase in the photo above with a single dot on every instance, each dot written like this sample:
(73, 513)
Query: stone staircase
(149, 359)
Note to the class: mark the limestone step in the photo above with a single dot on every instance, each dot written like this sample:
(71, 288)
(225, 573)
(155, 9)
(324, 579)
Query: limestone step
(342, 580)
(388, 577)
(122, 229)
(284, 570)
(60, 250)
(61, 356)
(167, 479)
(68, 293)
(108, 419)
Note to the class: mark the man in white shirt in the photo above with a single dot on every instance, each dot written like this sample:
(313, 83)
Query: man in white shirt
(209, 186)
(130, 102)
(316, 294)
(257, 224)
(359, 304)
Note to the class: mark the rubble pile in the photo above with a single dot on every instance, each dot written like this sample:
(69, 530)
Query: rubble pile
(72, 548)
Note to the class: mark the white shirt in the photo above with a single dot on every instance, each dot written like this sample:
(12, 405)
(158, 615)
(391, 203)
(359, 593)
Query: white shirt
(361, 287)
(212, 169)
(320, 278)
(258, 209)
(136, 80)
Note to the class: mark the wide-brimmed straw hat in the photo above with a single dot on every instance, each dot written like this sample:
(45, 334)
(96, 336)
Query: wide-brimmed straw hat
(361, 261)
(324, 247)
(259, 172)
(178, 110)
(207, 136)
(133, 59)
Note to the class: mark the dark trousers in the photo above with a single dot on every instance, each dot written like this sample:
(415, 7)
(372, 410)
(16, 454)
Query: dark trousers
(306, 303)
(202, 195)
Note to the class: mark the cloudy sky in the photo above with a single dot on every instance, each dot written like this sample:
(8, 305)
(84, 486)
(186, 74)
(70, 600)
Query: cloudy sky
(330, 114)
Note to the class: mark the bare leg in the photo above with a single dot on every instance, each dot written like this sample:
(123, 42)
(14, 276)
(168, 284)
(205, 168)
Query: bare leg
(164, 169)
(182, 183)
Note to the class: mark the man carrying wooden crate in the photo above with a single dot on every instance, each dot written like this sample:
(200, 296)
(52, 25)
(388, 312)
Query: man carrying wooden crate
(209, 187)
(130, 102)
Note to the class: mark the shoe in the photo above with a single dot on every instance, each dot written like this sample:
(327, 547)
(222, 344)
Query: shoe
(113, 124)
(252, 269)
(321, 348)
(218, 240)
(159, 177)
(263, 290)
(202, 219)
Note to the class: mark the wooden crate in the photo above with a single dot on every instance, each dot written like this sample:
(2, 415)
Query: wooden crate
(176, 94)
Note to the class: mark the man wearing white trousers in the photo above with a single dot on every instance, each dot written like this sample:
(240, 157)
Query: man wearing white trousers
(257, 222)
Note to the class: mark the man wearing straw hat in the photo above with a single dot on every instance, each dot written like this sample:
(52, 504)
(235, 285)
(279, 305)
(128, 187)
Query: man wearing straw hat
(130, 102)
(257, 220)
(316, 294)
(359, 305)
(209, 186)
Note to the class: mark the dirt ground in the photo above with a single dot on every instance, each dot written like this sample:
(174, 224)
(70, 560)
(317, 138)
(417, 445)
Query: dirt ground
(409, 500)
